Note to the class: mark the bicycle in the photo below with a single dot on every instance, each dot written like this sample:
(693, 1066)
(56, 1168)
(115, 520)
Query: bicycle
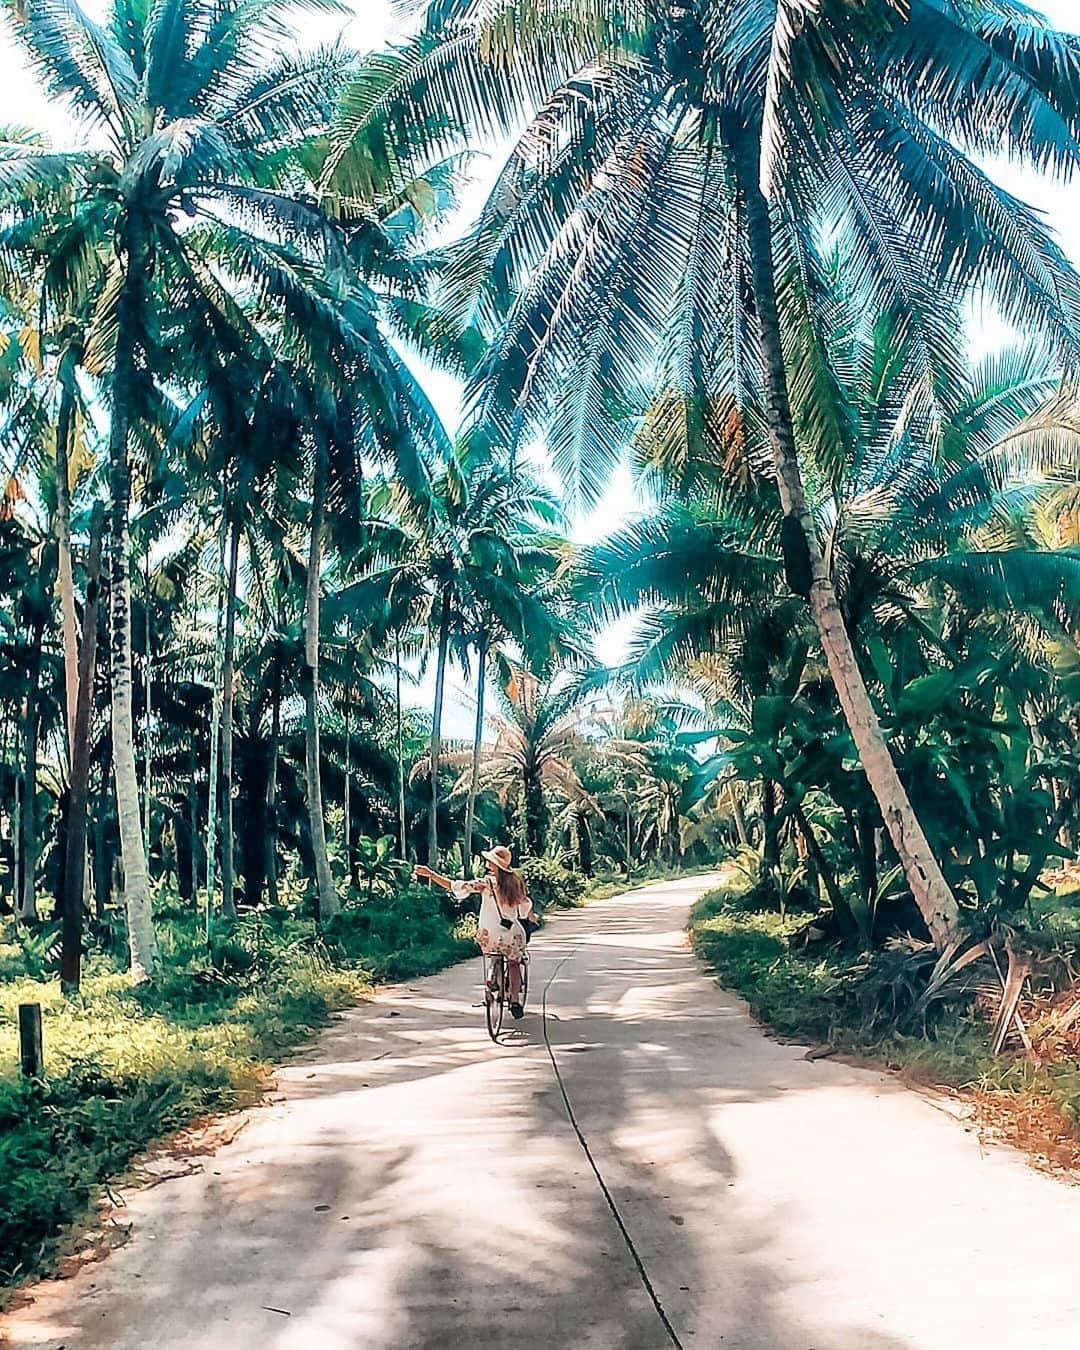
(497, 987)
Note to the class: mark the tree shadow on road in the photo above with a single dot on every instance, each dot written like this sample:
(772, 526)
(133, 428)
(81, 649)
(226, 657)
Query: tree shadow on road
(421, 1188)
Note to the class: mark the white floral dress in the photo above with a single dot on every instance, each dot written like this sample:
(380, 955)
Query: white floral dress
(499, 931)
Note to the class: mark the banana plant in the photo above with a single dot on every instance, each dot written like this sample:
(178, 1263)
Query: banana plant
(376, 862)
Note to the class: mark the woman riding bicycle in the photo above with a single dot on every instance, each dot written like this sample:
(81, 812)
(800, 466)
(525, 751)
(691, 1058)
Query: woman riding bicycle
(507, 919)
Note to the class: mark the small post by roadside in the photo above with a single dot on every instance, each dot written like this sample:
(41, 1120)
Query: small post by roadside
(31, 1056)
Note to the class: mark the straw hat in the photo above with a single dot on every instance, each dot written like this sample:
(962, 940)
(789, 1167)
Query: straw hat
(499, 857)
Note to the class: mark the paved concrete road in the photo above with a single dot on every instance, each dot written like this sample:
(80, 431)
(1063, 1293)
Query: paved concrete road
(420, 1188)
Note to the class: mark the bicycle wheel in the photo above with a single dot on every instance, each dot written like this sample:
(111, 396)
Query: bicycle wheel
(525, 982)
(495, 996)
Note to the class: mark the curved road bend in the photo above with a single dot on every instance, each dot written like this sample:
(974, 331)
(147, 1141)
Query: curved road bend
(417, 1187)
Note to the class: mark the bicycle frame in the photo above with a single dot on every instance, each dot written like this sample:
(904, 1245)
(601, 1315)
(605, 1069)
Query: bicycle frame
(497, 989)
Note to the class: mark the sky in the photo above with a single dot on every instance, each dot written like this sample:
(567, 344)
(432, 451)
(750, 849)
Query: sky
(23, 103)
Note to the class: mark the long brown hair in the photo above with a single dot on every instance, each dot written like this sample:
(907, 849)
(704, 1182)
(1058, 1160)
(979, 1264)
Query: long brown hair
(509, 887)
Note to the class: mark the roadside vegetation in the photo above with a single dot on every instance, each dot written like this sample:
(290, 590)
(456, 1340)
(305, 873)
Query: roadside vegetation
(840, 998)
(733, 250)
(128, 1063)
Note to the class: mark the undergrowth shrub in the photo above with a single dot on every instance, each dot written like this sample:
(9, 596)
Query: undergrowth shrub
(550, 885)
(867, 1002)
(399, 936)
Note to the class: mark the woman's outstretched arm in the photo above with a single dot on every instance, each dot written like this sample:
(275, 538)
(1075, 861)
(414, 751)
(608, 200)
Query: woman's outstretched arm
(459, 888)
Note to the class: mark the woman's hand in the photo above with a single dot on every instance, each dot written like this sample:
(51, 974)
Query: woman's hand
(429, 874)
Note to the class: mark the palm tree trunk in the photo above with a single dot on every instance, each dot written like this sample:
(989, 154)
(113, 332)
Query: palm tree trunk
(193, 823)
(69, 621)
(674, 835)
(536, 817)
(228, 667)
(584, 844)
(28, 839)
(148, 709)
(350, 861)
(629, 841)
(78, 801)
(808, 576)
(770, 843)
(436, 729)
(187, 870)
(103, 863)
(324, 881)
(474, 775)
(141, 940)
(738, 817)
(16, 827)
(271, 790)
(8, 904)
(68, 617)
(400, 751)
(8, 724)
(218, 680)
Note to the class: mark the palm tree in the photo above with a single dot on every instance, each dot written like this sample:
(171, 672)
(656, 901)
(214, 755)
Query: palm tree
(923, 549)
(355, 401)
(663, 789)
(272, 668)
(470, 560)
(509, 581)
(908, 522)
(539, 730)
(35, 616)
(30, 504)
(386, 603)
(57, 265)
(662, 213)
(75, 852)
(190, 123)
(250, 432)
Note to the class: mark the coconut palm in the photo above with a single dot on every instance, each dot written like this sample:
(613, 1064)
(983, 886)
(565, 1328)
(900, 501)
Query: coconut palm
(927, 549)
(189, 124)
(662, 791)
(472, 561)
(513, 596)
(659, 225)
(538, 729)
(343, 394)
(57, 273)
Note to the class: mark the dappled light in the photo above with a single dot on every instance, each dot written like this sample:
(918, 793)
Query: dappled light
(375, 1198)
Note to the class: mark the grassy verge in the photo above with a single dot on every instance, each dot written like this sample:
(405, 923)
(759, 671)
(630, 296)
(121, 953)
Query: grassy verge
(125, 1065)
(846, 999)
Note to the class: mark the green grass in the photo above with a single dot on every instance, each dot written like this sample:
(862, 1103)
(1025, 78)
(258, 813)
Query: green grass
(125, 1065)
(848, 1000)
